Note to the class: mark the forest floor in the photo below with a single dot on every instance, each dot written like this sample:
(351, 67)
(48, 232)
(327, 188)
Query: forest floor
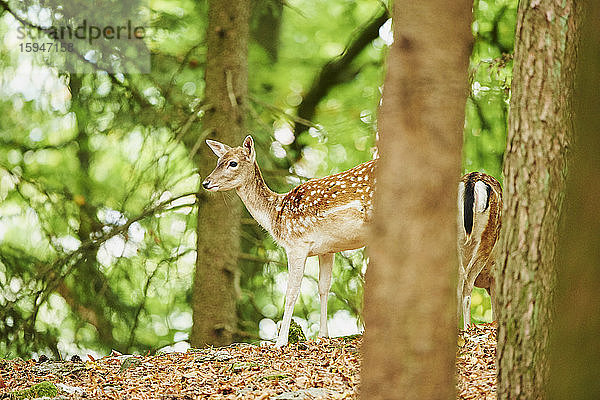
(316, 369)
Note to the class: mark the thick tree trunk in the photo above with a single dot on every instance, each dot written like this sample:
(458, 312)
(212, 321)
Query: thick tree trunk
(409, 347)
(575, 354)
(214, 299)
(539, 132)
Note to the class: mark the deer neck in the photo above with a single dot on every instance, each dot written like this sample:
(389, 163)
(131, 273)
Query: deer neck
(259, 199)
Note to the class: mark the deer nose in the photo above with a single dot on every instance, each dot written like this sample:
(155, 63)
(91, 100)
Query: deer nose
(206, 184)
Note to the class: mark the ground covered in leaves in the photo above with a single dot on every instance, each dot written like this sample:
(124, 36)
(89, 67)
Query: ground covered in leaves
(321, 369)
(476, 362)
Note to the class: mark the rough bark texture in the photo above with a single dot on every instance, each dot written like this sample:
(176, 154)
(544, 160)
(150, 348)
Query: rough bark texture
(410, 337)
(539, 132)
(575, 353)
(214, 298)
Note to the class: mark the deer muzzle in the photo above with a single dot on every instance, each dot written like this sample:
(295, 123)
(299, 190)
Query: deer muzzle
(208, 185)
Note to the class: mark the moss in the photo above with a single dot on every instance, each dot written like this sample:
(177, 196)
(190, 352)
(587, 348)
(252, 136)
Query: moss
(245, 366)
(296, 334)
(350, 338)
(273, 377)
(130, 362)
(42, 389)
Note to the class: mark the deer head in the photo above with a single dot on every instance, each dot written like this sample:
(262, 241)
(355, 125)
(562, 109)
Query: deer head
(234, 167)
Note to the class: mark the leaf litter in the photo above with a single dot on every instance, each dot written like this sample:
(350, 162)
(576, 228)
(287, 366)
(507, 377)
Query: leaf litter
(316, 369)
(476, 362)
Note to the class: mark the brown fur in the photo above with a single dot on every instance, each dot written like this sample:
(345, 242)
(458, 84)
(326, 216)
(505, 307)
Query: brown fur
(311, 201)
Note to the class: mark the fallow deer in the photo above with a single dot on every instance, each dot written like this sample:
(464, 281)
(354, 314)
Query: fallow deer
(479, 222)
(319, 217)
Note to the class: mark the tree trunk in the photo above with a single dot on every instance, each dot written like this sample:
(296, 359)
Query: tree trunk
(409, 348)
(86, 290)
(539, 132)
(575, 354)
(214, 297)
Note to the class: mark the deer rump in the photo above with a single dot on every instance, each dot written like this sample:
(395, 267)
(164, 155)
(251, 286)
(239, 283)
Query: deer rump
(479, 222)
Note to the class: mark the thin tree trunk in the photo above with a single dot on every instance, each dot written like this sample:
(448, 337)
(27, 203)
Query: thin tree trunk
(214, 298)
(87, 290)
(539, 132)
(409, 348)
(575, 353)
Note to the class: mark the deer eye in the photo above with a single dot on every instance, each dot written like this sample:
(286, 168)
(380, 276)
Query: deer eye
(233, 164)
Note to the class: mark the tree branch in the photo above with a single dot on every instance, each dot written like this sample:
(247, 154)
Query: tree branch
(52, 284)
(329, 76)
(97, 319)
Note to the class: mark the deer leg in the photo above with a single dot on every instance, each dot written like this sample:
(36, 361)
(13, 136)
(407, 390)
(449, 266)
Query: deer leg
(466, 311)
(325, 268)
(460, 292)
(296, 261)
(492, 299)
(459, 295)
(469, 284)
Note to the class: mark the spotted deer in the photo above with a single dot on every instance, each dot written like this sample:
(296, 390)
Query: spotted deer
(320, 217)
(479, 222)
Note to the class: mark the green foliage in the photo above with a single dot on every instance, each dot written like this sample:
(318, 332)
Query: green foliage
(296, 333)
(490, 76)
(98, 173)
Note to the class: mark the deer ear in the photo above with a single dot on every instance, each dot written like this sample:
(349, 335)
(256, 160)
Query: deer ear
(249, 147)
(217, 147)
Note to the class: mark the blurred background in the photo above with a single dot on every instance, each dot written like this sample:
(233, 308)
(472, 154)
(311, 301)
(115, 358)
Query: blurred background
(97, 182)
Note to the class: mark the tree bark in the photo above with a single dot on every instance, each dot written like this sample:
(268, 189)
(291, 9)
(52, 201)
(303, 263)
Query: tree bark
(539, 132)
(575, 354)
(409, 349)
(214, 297)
